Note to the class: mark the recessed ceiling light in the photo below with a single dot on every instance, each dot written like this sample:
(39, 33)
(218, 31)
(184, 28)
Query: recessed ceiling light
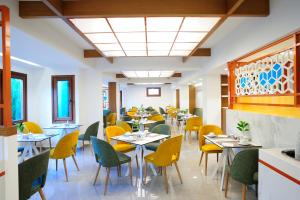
(130, 24)
(190, 36)
(159, 46)
(158, 53)
(134, 46)
(136, 53)
(102, 37)
(147, 74)
(148, 83)
(131, 37)
(91, 25)
(163, 23)
(199, 23)
(184, 46)
(161, 36)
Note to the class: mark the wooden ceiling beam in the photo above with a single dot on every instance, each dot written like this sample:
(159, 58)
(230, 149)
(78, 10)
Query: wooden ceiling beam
(90, 53)
(126, 8)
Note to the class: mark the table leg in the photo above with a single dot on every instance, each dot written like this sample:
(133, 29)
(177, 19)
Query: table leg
(141, 163)
(225, 161)
(25, 151)
(35, 150)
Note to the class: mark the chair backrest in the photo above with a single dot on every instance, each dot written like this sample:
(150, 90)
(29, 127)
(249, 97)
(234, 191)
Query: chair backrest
(122, 111)
(124, 125)
(106, 112)
(112, 118)
(66, 146)
(198, 112)
(206, 130)
(162, 111)
(134, 109)
(92, 130)
(244, 165)
(194, 121)
(155, 124)
(126, 118)
(32, 127)
(167, 151)
(156, 117)
(112, 131)
(104, 153)
(163, 129)
(34, 170)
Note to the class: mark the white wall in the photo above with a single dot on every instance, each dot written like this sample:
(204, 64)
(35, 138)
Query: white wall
(135, 95)
(199, 97)
(212, 99)
(184, 97)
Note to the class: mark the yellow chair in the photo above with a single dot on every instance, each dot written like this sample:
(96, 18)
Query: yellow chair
(32, 127)
(66, 147)
(167, 153)
(132, 114)
(156, 117)
(111, 119)
(208, 148)
(124, 125)
(193, 124)
(134, 109)
(172, 113)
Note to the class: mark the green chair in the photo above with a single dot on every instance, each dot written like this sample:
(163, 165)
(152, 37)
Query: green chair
(162, 111)
(244, 169)
(107, 157)
(92, 130)
(151, 126)
(160, 129)
(106, 112)
(126, 118)
(122, 111)
(32, 176)
(198, 112)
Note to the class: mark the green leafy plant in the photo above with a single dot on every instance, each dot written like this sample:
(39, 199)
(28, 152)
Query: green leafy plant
(20, 127)
(243, 126)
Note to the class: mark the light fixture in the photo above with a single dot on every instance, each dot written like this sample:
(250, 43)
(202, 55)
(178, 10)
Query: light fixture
(198, 84)
(151, 36)
(23, 61)
(148, 83)
(148, 74)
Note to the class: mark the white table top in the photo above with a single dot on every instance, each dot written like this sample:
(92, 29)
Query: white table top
(143, 122)
(63, 126)
(224, 141)
(134, 138)
(34, 137)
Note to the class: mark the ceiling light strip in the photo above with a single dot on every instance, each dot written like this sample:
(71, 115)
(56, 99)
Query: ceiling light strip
(115, 36)
(146, 35)
(176, 36)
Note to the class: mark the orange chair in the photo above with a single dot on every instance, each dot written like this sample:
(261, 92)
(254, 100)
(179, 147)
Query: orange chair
(193, 124)
(208, 148)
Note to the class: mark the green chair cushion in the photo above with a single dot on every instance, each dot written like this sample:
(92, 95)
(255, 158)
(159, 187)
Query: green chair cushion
(152, 146)
(255, 177)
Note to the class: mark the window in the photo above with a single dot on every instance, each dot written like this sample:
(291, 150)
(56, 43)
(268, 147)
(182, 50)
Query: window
(105, 98)
(153, 92)
(63, 104)
(18, 96)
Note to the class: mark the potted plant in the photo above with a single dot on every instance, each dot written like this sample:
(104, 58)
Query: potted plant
(20, 127)
(244, 128)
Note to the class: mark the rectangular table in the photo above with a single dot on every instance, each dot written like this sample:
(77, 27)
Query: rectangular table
(227, 144)
(140, 139)
(29, 141)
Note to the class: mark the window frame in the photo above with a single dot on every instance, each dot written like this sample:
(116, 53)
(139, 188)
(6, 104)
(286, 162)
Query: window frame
(54, 80)
(153, 95)
(23, 77)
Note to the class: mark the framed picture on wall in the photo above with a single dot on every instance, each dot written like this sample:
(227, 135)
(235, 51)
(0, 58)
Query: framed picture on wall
(153, 92)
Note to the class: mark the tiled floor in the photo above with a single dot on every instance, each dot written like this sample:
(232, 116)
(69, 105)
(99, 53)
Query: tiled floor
(195, 184)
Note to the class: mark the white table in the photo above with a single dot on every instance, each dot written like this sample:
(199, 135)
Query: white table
(227, 144)
(66, 128)
(140, 139)
(29, 141)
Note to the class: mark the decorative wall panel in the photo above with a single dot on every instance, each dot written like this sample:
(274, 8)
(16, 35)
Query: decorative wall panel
(269, 76)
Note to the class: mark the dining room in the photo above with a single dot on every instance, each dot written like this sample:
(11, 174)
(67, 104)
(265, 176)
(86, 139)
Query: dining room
(161, 100)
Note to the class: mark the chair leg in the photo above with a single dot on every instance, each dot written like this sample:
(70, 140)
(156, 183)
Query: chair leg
(201, 158)
(178, 172)
(82, 145)
(226, 184)
(98, 171)
(50, 143)
(75, 162)
(217, 157)
(244, 190)
(166, 179)
(66, 171)
(106, 180)
(206, 160)
(137, 161)
(145, 171)
(130, 172)
(41, 192)
(56, 163)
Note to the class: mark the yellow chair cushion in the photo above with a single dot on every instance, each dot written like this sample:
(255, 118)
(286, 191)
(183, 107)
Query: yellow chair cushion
(123, 147)
(193, 128)
(211, 148)
(150, 157)
(51, 153)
